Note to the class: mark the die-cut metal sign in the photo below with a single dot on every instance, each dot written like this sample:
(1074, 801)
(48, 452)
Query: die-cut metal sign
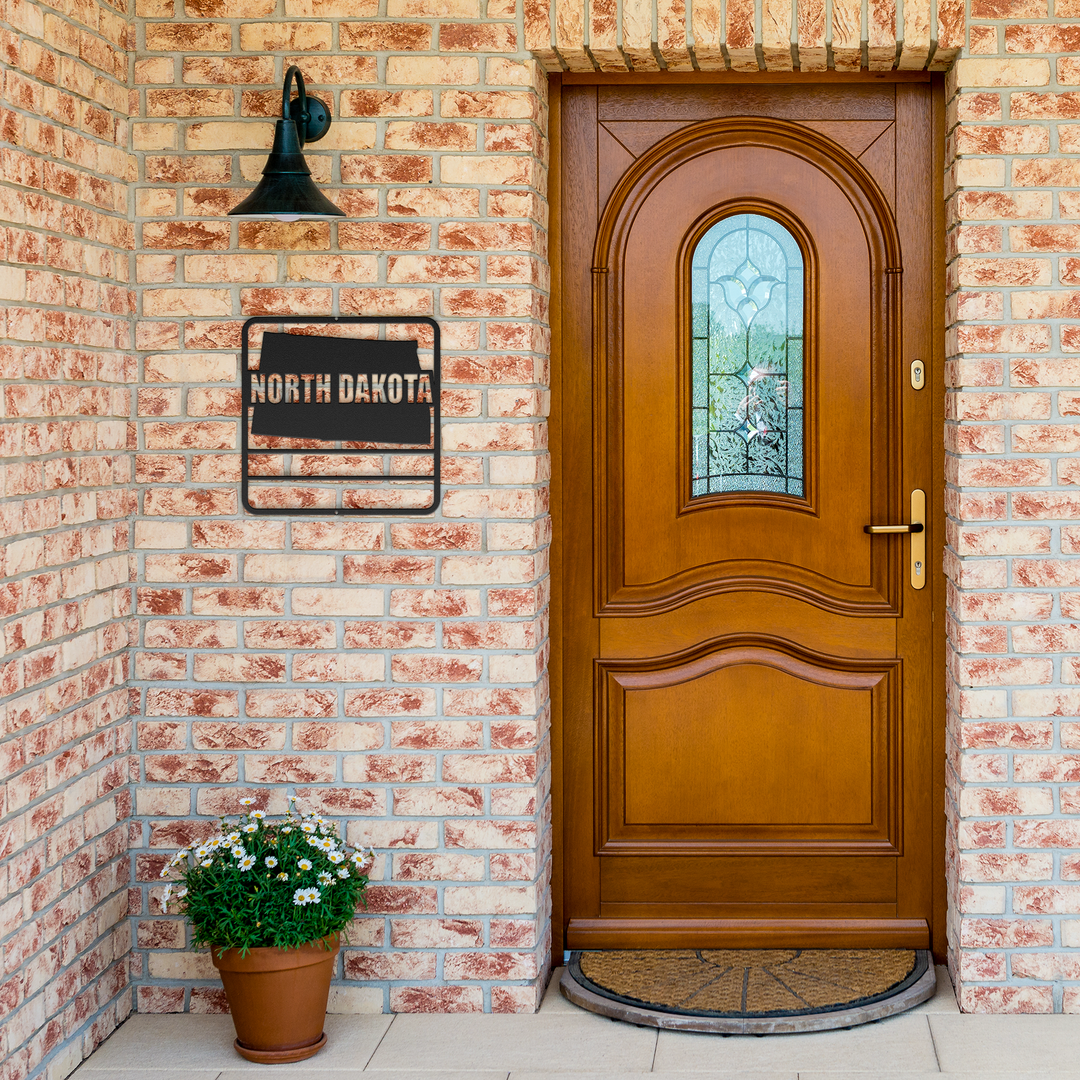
(314, 396)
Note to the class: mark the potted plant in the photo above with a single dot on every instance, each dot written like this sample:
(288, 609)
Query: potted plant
(271, 899)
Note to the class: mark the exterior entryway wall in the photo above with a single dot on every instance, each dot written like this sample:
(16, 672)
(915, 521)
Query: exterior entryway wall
(166, 654)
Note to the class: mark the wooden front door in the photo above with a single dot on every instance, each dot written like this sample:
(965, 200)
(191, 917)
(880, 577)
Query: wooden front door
(749, 752)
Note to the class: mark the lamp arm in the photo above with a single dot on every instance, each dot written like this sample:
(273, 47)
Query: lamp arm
(295, 73)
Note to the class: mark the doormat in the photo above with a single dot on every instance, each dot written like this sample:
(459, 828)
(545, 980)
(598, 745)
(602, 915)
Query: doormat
(749, 991)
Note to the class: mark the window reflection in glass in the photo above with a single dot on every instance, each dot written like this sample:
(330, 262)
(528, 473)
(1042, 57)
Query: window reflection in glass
(747, 297)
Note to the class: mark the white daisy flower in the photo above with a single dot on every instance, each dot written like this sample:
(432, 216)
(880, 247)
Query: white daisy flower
(283, 876)
(325, 879)
(238, 851)
(306, 896)
(165, 897)
(258, 815)
(207, 862)
(247, 862)
(325, 843)
(336, 857)
(287, 829)
(343, 872)
(247, 802)
(308, 827)
(232, 837)
(304, 864)
(270, 861)
(201, 851)
(181, 893)
(251, 826)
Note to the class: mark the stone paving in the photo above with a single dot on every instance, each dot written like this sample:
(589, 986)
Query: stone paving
(931, 1040)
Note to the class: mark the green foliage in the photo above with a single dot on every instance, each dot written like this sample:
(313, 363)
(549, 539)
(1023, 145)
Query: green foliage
(260, 883)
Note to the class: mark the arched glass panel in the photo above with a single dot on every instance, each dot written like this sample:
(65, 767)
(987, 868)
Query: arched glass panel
(747, 297)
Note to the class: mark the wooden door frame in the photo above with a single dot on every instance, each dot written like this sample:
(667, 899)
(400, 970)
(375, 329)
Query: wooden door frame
(936, 501)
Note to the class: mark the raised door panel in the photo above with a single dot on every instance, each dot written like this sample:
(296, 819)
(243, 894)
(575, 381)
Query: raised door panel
(768, 747)
(748, 886)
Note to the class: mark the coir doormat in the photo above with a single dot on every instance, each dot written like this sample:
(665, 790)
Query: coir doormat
(750, 990)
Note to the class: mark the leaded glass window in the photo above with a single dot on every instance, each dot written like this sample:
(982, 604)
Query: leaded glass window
(747, 297)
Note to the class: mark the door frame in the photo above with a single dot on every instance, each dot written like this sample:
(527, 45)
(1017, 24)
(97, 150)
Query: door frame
(936, 500)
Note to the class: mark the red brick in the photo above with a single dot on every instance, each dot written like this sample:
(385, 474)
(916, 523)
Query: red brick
(237, 736)
(385, 702)
(285, 634)
(435, 933)
(385, 169)
(192, 703)
(428, 667)
(436, 999)
(401, 900)
(389, 569)
(285, 769)
(191, 768)
(387, 103)
(386, 965)
(291, 703)
(1061, 768)
(434, 603)
(339, 735)
(349, 801)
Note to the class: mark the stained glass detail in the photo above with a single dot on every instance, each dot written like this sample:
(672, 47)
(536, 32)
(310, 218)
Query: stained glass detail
(747, 353)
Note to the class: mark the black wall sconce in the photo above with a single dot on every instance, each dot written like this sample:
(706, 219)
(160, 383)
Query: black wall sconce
(286, 191)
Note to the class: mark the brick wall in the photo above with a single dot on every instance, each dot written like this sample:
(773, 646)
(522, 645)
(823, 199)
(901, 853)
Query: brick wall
(1012, 434)
(67, 370)
(393, 675)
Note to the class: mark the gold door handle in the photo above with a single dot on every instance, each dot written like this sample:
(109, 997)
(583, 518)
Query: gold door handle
(917, 529)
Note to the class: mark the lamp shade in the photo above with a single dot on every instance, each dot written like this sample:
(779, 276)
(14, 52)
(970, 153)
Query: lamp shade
(286, 190)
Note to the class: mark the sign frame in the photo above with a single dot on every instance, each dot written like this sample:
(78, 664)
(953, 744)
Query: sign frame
(435, 449)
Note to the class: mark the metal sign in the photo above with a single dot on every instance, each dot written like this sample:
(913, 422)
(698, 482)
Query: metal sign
(315, 395)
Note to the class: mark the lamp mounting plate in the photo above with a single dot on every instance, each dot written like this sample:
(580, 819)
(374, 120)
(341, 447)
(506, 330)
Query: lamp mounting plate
(318, 121)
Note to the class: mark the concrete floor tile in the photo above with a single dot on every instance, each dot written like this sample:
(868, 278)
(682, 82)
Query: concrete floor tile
(157, 1042)
(944, 999)
(1013, 1075)
(981, 1044)
(153, 1043)
(832, 1074)
(718, 1075)
(557, 1044)
(90, 1073)
(427, 1074)
(899, 1044)
(359, 1074)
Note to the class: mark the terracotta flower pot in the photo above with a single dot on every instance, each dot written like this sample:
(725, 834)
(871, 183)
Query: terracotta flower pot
(278, 999)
